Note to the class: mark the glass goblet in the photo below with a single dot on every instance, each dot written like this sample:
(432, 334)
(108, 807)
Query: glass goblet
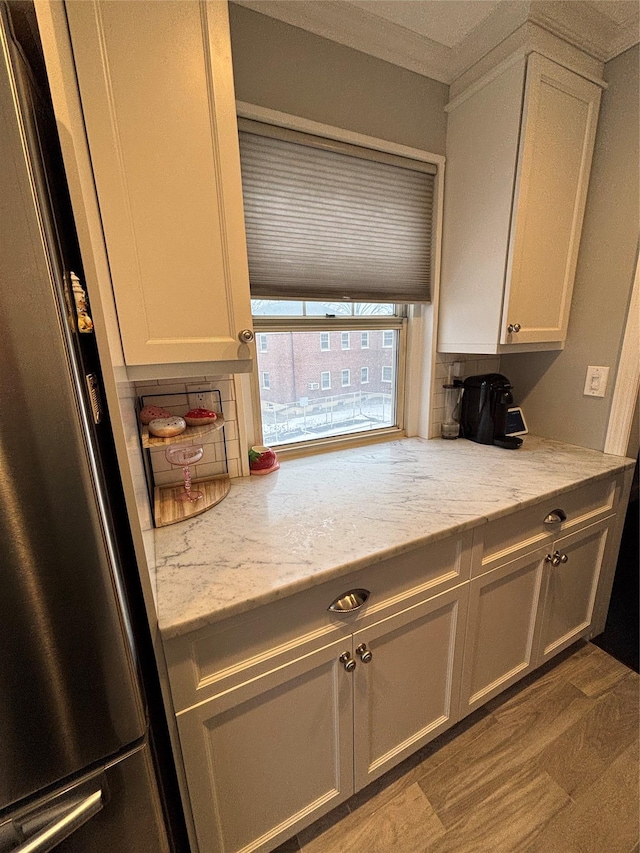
(184, 456)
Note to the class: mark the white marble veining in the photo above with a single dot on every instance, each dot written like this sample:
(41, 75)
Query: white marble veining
(323, 516)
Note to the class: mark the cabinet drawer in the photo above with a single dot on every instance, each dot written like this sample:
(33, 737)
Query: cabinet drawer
(514, 535)
(222, 655)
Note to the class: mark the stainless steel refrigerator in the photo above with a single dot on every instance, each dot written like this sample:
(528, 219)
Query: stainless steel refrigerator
(84, 758)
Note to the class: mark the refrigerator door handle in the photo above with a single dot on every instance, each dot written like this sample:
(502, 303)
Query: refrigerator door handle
(61, 827)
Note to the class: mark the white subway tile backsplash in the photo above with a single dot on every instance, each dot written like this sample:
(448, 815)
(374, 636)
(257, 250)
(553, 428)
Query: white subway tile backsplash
(215, 460)
(472, 365)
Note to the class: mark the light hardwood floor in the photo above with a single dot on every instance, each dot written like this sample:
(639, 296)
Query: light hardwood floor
(550, 766)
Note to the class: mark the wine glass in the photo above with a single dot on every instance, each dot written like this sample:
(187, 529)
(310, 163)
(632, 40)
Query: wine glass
(185, 455)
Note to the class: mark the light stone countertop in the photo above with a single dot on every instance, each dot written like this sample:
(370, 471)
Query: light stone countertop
(322, 516)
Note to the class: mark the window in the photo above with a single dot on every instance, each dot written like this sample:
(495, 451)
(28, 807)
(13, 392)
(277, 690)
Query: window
(266, 381)
(262, 343)
(338, 241)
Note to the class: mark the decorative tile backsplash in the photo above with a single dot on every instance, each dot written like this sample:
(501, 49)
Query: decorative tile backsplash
(175, 396)
(472, 365)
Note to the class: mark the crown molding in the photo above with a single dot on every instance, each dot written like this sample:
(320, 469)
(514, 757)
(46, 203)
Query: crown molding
(580, 24)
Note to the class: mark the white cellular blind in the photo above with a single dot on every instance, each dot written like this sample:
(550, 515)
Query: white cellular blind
(325, 225)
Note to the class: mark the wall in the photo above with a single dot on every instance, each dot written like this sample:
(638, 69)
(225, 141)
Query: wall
(549, 385)
(285, 68)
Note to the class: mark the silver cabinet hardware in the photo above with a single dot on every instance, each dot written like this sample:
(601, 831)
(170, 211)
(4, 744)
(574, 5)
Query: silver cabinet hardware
(556, 516)
(246, 336)
(347, 661)
(564, 558)
(349, 601)
(364, 653)
(513, 327)
(554, 558)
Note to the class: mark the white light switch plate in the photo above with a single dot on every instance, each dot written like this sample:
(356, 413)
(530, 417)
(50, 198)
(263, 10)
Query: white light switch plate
(595, 384)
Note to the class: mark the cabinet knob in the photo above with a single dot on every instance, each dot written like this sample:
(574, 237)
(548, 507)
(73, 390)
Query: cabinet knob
(555, 558)
(564, 558)
(364, 653)
(513, 327)
(246, 336)
(347, 661)
(556, 516)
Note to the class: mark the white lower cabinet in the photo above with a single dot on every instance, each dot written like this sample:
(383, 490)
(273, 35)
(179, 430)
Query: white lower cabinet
(408, 692)
(285, 711)
(573, 574)
(269, 756)
(502, 629)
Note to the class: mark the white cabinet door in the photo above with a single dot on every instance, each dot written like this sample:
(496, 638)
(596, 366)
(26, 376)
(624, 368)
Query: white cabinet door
(157, 94)
(519, 153)
(571, 587)
(408, 692)
(272, 755)
(502, 629)
(556, 147)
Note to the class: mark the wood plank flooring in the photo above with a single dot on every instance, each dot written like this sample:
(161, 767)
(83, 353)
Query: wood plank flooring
(550, 766)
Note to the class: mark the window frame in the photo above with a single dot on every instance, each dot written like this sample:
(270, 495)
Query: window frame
(362, 340)
(265, 380)
(326, 387)
(347, 371)
(322, 337)
(364, 371)
(418, 335)
(348, 340)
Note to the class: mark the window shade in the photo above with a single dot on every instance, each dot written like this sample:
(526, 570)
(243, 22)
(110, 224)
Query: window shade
(325, 225)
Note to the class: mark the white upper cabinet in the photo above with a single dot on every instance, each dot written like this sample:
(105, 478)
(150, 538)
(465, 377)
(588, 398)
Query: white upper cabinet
(519, 151)
(156, 86)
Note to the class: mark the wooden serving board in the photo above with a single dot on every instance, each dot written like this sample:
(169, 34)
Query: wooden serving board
(167, 510)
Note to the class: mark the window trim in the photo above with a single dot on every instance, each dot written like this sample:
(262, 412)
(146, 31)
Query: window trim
(386, 367)
(364, 381)
(342, 340)
(344, 384)
(417, 350)
(324, 387)
(328, 346)
(362, 345)
(266, 380)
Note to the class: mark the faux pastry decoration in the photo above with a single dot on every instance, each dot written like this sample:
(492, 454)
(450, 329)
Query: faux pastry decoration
(262, 460)
(150, 413)
(167, 427)
(200, 417)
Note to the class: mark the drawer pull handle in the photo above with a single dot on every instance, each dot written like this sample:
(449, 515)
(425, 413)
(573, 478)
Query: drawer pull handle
(347, 661)
(554, 558)
(364, 653)
(349, 601)
(556, 516)
(564, 558)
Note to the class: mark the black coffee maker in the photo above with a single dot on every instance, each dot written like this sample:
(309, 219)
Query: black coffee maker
(485, 402)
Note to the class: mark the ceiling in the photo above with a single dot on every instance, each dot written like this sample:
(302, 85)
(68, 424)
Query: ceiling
(443, 38)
